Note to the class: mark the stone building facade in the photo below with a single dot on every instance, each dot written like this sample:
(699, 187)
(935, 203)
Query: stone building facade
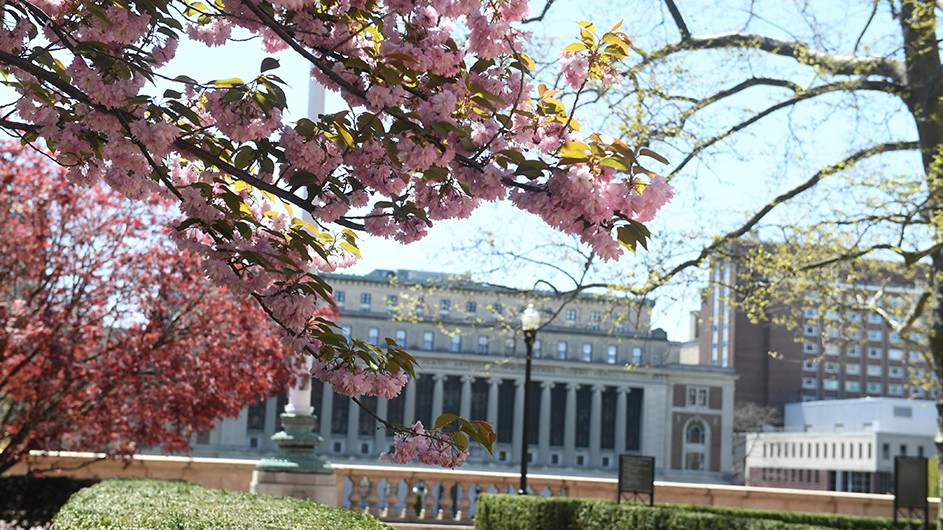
(603, 382)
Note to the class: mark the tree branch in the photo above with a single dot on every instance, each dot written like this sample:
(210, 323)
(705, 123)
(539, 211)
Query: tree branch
(679, 20)
(846, 163)
(802, 95)
(848, 65)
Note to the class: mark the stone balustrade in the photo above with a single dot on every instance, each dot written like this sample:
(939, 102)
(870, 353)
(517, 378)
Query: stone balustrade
(451, 495)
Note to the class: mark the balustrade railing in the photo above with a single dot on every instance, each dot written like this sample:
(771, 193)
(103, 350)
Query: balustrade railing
(417, 494)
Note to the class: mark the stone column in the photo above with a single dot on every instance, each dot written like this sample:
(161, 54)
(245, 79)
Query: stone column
(543, 429)
(465, 404)
(595, 426)
(518, 435)
(296, 469)
(327, 411)
(379, 437)
(493, 394)
(353, 426)
(409, 408)
(620, 419)
(569, 432)
(437, 396)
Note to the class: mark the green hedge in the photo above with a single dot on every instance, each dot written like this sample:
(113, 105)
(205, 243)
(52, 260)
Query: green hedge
(159, 505)
(511, 512)
(33, 501)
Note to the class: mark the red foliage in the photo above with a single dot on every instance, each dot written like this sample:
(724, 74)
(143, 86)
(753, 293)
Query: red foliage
(110, 337)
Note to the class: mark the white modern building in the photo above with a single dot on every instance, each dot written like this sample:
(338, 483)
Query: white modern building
(841, 445)
(604, 383)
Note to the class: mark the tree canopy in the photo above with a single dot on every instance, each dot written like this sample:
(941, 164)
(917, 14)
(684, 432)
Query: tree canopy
(111, 339)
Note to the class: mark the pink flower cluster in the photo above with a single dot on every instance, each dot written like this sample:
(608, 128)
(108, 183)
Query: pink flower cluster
(353, 380)
(427, 447)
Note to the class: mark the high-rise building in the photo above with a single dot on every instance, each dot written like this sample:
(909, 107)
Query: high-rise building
(843, 353)
(604, 383)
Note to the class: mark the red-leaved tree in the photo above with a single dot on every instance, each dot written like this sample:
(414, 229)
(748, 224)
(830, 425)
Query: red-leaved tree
(110, 337)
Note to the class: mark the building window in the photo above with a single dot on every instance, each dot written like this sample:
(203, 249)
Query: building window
(482, 345)
(853, 369)
(400, 337)
(587, 352)
(365, 300)
(428, 339)
(895, 390)
(810, 366)
(538, 349)
(340, 297)
(852, 386)
(561, 349)
(896, 372)
(810, 312)
(809, 347)
(875, 318)
(874, 353)
(373, 336)
(445, 305)
(391, 302)
(895, 355)
(854, 351)
(571, 315)
(612, 354)
(809, 382)
(831, 367)
(471, 307)
(697, 396)
(830, 384)
(874, 370)
(831, 349)
(508, 346)
(874, 335)
(347, 332)
(874, 388)
(810, 330)
(594, 319)
(637, 355)
(695, 446)
(893, 337)
(455, 345)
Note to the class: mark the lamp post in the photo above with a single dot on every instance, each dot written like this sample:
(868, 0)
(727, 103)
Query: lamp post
(530, 321)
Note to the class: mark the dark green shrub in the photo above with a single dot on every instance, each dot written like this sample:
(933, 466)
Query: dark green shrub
(509, 512)
(165, 505)
(33, 501)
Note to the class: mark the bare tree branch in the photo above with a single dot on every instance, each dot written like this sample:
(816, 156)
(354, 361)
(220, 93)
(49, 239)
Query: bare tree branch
(719, 243)
(679, 20)
(800, 95)
(847, 65)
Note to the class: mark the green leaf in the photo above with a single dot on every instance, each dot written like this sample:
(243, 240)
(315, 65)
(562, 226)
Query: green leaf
(228, 82)
(575, 47)
(574, 150)
(632, 234)
(269, 63)
(445, 419)
(614, 162)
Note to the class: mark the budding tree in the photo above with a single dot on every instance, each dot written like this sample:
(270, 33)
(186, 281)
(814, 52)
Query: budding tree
(443, 115)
